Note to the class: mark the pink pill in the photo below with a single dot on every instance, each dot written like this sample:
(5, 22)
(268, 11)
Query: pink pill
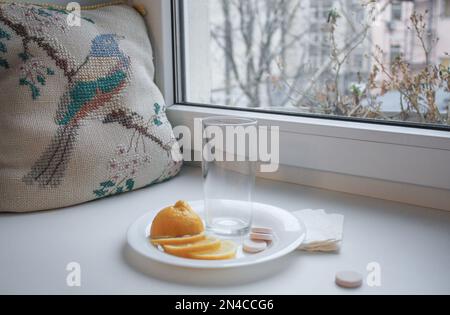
(349, 279)
(251, 246)
(262, 230)
(261, 237)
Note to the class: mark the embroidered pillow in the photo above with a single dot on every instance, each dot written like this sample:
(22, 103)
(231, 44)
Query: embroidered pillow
(80, 115)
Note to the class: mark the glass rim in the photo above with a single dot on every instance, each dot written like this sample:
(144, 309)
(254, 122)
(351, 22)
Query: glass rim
(228, 121)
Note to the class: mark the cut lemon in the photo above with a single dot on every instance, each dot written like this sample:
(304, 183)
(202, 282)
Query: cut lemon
(227, 250)
(178, 240)
(208, 244)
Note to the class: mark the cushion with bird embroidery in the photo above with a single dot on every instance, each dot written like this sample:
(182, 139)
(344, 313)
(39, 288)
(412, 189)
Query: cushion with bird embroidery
(80, 115)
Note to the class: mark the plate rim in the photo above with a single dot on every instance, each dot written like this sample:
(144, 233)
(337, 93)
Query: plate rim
(194, 264)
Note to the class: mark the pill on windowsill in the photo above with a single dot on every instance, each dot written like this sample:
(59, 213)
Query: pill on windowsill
(252, 246)
(261, 237)
(349, 279)
(262, 230)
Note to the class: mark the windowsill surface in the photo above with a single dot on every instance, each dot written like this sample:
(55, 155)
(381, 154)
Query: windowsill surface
(410, 243)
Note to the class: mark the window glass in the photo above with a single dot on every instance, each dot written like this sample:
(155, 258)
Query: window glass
(331, 58)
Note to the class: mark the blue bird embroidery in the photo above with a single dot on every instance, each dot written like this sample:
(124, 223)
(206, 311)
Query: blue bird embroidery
(93, 93)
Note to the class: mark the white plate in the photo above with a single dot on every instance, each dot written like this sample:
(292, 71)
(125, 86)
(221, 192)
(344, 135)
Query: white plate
(289, 233)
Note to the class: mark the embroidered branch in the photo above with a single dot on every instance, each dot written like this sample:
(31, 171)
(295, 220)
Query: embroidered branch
(21, 31)
(131, 120)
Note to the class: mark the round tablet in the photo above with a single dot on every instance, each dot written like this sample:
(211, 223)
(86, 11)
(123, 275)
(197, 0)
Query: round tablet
(251, 246)
(262, 230)
(349, 279)
(261, 237)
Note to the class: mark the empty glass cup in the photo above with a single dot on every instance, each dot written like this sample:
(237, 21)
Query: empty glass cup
(229, 165)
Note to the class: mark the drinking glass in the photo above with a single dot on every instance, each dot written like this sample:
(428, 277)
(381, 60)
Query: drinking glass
(228, 167)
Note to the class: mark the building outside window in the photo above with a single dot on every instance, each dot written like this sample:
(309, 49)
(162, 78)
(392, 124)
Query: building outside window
(447, 8)
(396, 11)
(395, 53)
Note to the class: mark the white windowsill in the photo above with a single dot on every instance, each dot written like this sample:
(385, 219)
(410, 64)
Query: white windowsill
(409, 243)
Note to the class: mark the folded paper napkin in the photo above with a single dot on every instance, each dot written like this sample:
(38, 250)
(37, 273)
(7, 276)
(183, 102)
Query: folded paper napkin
(323, 231)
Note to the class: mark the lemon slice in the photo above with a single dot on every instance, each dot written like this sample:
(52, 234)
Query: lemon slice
(178, 240)
(208, 244)
(227, 250)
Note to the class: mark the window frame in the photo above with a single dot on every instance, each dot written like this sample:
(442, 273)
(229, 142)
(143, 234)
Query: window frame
(411, 163)
(180, 88)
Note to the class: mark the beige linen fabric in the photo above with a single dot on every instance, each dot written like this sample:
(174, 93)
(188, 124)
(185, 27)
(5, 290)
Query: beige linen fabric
(80, 115)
